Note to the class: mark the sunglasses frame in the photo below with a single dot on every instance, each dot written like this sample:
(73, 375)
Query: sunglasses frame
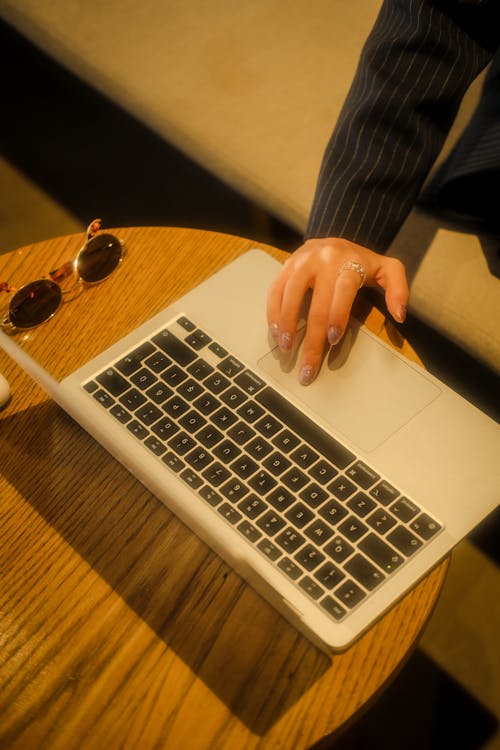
(57, 275)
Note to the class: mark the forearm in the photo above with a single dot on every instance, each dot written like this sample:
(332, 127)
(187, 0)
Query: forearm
(413, 72)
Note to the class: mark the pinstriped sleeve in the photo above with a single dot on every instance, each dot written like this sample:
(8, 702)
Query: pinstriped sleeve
(413, 72)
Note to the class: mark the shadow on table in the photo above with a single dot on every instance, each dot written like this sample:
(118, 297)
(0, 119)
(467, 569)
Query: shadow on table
(185, 593)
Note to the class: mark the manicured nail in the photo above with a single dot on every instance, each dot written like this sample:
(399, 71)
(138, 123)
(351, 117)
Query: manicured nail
(274, 331)
(334, 335)
(306, 375)
(285, 341)
(401, 314)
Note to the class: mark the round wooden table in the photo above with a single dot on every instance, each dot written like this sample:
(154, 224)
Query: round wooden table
(119, 627)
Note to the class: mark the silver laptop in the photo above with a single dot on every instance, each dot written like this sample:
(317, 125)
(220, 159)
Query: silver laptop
(332, 500)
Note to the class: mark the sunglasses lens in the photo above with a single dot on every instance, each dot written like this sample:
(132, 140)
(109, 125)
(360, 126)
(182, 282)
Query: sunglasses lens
(99, 258)
(34, 303)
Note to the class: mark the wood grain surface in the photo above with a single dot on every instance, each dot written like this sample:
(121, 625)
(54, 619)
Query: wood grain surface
(119, 628)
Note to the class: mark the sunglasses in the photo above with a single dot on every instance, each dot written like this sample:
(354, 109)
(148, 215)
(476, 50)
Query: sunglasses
(36, 302)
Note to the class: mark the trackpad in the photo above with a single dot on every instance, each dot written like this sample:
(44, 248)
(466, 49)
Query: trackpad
(364, 390)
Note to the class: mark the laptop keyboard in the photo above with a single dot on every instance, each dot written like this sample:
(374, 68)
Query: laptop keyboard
(326, 519)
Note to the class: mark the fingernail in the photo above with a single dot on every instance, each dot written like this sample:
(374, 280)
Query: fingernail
(306, 375)
(401, 314)
(285, 341)
(274, 331)
(334, 335)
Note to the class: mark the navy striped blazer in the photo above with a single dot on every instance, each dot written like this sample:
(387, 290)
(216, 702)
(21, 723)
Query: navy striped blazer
(413, 72)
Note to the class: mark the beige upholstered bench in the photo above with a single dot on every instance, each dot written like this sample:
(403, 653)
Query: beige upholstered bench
(251, 91)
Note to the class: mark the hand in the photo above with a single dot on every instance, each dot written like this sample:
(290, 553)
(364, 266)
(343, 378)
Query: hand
(317, 265)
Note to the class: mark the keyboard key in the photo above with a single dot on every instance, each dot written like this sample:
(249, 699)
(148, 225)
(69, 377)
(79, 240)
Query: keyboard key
(190, 389)
(241, 433)
(353, 529)
(276, 463)
(198, 339)
(382, 554)
(350, 594)
(244, 466)
(333, 511)
(268, 426)
(294, 479)
(91, 386)
(181, 443)
(206, 404)
(191, 478)
(148, 414)
(216, 474)
(281, 498)
(252, 506)
(120, 413)
(229, 513)
(158, 362)
(224, 418)
(234, 490)
(217, 349)
(192, 421)
(333, 608)
(338, 549)
(132, 399)
(262, 482)
(341, 487)
(309, 557)
(137, 429)
(187, 324)
(233, 397)
(173, 462)
(176, 406)
(310, 432)
(250, 411)
(404, 509)
(103, 398)
(381, 521)
(198, 458)
(290, 568)
(258, 448)
(362, 474)
(364, 572)
(113, 382)
(425, 526)
(249, 382)
(165, 428)
(174, 347)
(329, 575)
(209, 436)
(304, 456)
(285, 440)
(361, 504)
(290, 540)
(311, 587)
(155, 445)
(210, 495)
(270, 523)
(143, 378)
(227, 451)
(230, 366)
(313, 495)
(249, 531)
(322, 471)
(174, 376)
(200, 369)
(159, 393)
(299, 515)
(384, 492)
(404, 540)
(319, 531)
(269, 549)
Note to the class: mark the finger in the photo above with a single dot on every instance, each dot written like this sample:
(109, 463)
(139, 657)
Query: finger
(392, 278)
(347, 285)
(274, 301)
(317, 323)
(291, 303)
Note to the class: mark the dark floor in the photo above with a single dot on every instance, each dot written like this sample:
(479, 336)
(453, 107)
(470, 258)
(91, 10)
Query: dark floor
(93, 159)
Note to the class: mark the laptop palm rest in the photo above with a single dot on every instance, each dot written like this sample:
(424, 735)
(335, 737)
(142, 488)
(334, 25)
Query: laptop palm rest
(364, 390)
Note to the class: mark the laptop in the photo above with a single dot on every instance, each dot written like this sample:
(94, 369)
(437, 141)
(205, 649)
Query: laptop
(331, 500)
